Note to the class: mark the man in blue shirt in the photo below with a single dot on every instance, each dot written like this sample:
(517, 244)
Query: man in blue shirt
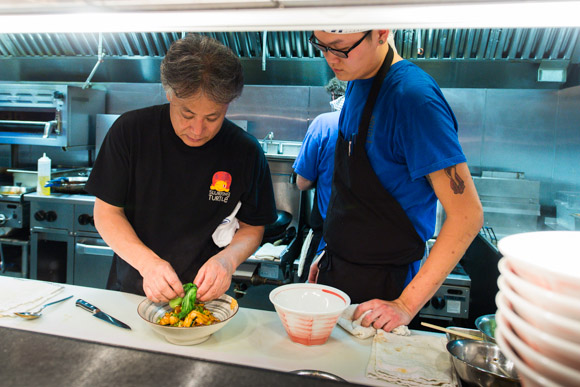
(314, 164)
(397, 153)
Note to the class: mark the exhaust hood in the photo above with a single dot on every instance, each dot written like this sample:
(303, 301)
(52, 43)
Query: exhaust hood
(462, 43)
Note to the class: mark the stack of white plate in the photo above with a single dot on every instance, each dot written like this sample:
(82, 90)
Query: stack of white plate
(538, 317)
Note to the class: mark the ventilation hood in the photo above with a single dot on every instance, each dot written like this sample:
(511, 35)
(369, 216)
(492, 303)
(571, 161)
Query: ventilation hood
(491, 56)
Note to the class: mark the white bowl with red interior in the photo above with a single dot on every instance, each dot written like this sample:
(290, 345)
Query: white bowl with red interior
(309, 312)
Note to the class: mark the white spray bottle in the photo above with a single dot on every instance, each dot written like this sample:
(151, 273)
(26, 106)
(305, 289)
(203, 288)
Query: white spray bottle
(44, 165)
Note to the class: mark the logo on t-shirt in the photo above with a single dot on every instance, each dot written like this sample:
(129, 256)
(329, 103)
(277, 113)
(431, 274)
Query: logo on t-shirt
(219, 190)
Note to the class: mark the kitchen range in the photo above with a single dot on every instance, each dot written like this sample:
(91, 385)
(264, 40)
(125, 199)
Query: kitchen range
(65, 245)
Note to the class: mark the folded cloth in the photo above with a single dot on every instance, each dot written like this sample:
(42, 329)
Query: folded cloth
(356, 329)
(18, 295)
(224, 233)
(416, 360)
(269, 252)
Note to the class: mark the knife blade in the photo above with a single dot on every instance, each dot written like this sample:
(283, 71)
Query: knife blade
(100, 314)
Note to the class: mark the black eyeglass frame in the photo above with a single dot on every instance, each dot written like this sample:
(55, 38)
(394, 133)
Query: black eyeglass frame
(340, 53)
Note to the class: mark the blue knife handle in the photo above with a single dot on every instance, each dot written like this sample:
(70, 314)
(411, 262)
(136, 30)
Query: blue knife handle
(86, 306)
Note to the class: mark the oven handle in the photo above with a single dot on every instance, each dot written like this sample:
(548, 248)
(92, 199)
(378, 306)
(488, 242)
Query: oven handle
(48, 126)
(82, 248)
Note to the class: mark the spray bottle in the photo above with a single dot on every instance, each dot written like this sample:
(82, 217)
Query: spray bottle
(43, 175)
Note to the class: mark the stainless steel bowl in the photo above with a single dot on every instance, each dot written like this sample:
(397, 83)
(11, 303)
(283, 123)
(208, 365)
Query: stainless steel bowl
(486, 325)
(482, 363)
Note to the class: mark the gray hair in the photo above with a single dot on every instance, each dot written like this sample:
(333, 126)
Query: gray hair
(198, 63)
(336, 87)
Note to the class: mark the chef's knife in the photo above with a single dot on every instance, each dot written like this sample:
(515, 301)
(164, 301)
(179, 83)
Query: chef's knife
(100, 314)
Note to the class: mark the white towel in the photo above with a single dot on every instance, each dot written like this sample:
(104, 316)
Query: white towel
(356, 329)
(416, 360)
(18, 295)
(304, 251)
(224, 233)
(269, 252)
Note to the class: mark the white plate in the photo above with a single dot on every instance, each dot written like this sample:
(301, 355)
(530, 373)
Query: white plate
(556, 348)
(547, 321)
(550, 259)
(543, 364)
(528, 376)
(557, 303)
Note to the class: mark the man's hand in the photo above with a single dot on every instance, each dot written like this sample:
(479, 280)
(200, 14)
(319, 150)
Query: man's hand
(160, 282)
(214, 278)
(385, 315)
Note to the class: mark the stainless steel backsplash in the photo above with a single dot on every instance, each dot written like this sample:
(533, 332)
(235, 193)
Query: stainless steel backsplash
(523, 130)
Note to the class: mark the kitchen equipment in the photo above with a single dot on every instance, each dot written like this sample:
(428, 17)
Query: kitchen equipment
(63, 233)
(27, 177)
(486, 324)
(309, 312)
(49, 115)
(70, 185)
(100, 314)
(549, 259)
(277, 229)
(38, 313)
(463, 335)
(224, 308)
(451, 334)
(451, 300)
(14, 231)
(511, 203)
(482, 363)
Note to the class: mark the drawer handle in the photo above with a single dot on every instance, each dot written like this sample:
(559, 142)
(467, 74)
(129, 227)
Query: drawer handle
(82, 248)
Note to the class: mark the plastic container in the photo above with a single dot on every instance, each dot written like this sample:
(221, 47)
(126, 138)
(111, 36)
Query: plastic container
(44, 165)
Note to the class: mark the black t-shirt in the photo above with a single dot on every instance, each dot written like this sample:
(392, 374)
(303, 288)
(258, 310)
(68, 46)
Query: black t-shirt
(174, 195)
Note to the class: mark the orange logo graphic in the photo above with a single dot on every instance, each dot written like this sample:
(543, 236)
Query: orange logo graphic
(221, 181)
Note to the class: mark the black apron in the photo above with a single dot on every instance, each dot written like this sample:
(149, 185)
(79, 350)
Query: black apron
(370, 240)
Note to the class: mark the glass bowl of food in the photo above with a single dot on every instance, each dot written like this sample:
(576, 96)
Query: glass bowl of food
(203, 321)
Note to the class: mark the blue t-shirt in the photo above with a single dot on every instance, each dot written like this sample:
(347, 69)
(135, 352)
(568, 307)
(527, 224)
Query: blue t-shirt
(412, 133)
(315, 161)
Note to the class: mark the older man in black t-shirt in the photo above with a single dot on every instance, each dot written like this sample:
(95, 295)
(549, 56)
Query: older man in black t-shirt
(167, 175)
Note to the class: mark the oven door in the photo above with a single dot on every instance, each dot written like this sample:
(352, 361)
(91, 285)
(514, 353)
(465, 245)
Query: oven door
(92, 262)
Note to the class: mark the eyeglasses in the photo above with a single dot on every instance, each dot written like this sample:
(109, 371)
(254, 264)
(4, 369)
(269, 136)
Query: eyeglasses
(339, 53)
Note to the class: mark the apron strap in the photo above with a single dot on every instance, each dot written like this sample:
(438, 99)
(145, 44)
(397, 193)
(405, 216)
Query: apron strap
(363, 127)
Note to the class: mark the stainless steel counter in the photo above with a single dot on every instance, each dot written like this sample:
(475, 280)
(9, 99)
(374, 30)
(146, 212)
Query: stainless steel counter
(30, 359)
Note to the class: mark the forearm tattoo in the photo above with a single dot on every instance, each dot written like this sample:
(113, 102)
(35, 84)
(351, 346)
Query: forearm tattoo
(455, 181)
